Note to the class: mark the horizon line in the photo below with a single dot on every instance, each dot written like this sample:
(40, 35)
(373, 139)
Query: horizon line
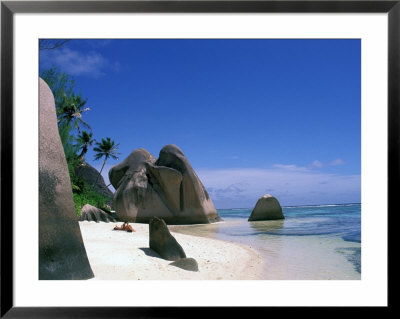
(288, 206)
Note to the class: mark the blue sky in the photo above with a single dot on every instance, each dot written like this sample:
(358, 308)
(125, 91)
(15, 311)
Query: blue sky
(252, 116)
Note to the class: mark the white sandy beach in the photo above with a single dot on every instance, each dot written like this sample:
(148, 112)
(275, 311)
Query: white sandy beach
(119, 255)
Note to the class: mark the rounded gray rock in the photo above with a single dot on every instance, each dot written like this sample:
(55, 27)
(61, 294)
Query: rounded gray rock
(166, 187)
(91, 213)
(267, 208)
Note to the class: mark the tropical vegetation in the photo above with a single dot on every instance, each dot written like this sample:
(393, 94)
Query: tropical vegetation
(106, 149)
(85, 140)
(70, 109)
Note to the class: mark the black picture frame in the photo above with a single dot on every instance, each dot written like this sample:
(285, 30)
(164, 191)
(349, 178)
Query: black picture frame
(9, 8)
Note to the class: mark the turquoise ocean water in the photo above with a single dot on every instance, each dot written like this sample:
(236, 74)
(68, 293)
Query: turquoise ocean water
(312, 242)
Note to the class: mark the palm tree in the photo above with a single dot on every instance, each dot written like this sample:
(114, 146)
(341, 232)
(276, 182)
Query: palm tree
(71, 109)
(84, 140)
(106, 148)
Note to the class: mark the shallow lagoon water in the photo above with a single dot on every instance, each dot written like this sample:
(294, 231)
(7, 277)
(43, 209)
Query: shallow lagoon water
(311, 243)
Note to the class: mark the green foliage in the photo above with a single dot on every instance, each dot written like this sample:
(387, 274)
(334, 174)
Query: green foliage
(69, 109)
(70, 151)
(84, 141)
(69, 105)
(87, 196)
(106, 148)
(84, 194)
(67, 141)
(78, 184)
(61, 84)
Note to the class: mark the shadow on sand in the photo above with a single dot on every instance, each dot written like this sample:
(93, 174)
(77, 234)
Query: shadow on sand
(150, 252)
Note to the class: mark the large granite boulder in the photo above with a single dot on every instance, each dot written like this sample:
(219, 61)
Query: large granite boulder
(94, 180)
(267, 208)
(91, 213)
(162, 242)
(166, 187)
(62, 254)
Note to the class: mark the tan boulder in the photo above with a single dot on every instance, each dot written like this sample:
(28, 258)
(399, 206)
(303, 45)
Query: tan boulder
(62, 254)
(166, 187)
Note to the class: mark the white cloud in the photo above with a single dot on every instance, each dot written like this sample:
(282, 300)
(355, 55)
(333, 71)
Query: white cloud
(91, 63)
(292, 185)
(317, 163)
(337, 161)
(291, 167)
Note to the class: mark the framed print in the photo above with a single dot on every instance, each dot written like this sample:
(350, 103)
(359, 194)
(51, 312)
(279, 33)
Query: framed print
(196, 154)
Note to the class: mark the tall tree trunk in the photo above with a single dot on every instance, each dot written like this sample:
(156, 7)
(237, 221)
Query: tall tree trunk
(84, 151)
(104, 162)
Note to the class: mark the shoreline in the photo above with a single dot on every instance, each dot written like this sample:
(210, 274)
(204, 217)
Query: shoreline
(312, 257)
(119, 255)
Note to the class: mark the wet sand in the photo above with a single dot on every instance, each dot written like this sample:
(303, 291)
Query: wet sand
(285, 257)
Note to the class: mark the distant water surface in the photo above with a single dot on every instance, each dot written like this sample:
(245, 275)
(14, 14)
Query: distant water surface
(312, 242)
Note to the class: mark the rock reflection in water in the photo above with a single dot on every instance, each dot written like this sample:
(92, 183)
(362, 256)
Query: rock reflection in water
(201, 230)
(267, 226)
(230, 228)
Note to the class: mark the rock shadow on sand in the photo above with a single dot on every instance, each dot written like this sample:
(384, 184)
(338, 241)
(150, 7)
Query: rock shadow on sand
(150, 252)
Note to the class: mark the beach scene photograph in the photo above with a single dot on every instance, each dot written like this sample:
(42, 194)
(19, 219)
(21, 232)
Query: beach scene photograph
(199, 159)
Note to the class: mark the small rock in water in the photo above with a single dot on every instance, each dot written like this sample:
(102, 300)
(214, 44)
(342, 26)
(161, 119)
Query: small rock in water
(267, 208)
